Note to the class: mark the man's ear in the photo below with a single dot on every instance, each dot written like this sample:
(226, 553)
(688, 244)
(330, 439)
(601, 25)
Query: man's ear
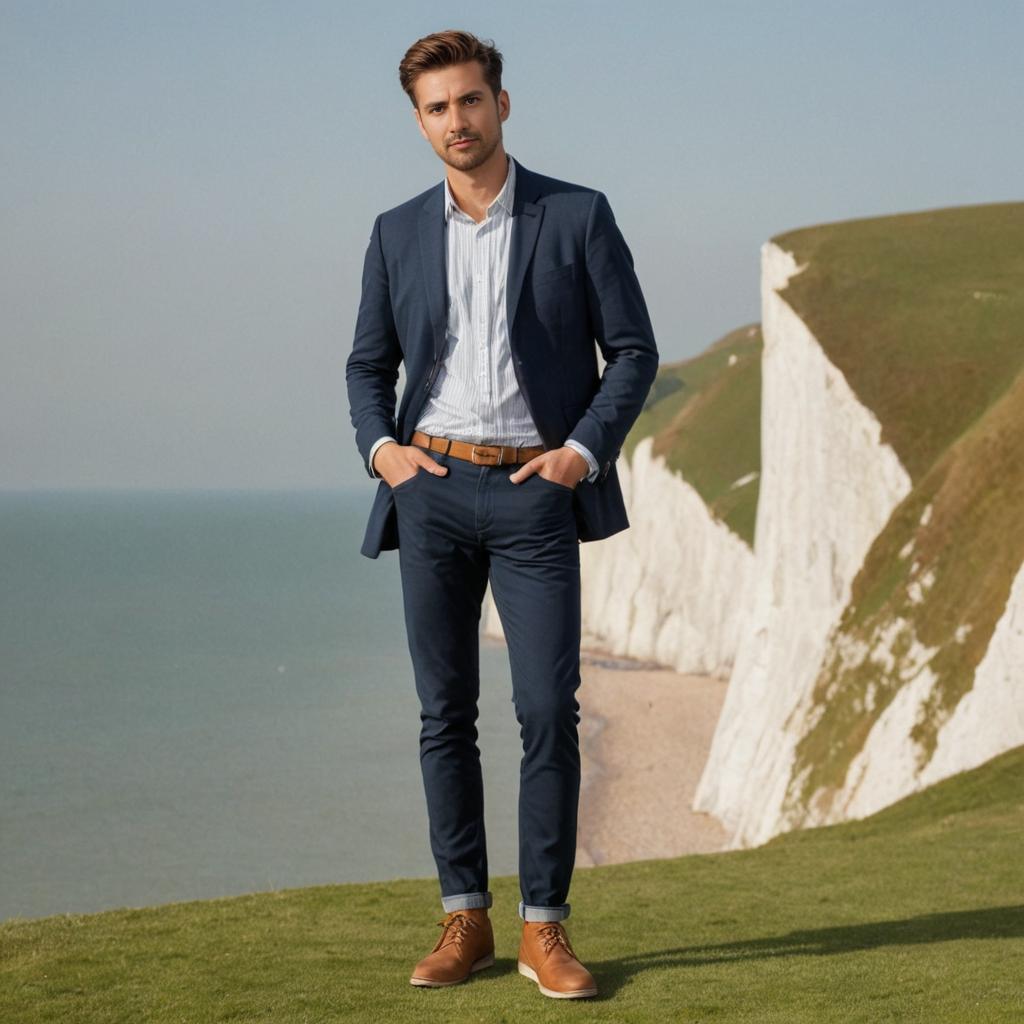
(504, 105)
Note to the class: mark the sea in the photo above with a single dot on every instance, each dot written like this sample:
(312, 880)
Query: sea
(209, 693)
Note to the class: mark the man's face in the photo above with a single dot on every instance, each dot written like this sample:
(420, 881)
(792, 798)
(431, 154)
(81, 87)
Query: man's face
(456, 103)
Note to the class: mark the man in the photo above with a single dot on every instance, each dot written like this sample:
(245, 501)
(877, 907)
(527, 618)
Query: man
(492, 286)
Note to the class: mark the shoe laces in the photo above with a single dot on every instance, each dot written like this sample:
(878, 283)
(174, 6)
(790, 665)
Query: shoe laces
(552, 935)
(455, 926)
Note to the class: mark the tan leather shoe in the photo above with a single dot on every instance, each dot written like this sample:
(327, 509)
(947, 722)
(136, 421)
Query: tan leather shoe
(466, 945)
(546, 957)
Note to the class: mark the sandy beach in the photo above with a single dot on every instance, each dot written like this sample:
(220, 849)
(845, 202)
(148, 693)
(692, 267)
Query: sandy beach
(645, 732)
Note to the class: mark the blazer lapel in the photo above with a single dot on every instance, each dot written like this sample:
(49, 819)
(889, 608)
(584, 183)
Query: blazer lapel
(434, 261)
(526, 220)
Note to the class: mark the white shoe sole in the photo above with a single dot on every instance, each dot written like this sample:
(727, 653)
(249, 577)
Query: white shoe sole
(530, 973)
(477, 965)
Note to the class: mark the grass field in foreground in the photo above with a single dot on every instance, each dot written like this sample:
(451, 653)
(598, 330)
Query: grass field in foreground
(914, 914)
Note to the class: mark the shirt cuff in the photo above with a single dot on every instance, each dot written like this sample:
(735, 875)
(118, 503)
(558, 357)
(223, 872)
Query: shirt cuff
(373, 451)
(591, 461)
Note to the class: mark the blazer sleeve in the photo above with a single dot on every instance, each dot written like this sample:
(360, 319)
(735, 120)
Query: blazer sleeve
(371, 371)
(622, 327)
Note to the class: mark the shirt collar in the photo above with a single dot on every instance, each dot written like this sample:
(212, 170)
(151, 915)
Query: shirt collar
(503, 198)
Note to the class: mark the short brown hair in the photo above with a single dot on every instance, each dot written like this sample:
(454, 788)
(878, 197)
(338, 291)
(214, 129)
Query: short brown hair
(442, 49)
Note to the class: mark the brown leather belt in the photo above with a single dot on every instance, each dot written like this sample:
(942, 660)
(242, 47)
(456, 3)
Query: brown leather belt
(479, 454)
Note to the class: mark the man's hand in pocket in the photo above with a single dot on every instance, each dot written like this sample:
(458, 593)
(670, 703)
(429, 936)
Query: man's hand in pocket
(397, 463)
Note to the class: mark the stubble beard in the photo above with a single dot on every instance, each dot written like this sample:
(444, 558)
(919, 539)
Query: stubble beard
(480, 154)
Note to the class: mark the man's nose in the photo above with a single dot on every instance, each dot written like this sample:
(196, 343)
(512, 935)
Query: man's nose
(457, 121)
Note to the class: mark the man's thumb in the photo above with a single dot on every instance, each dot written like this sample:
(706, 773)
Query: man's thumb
(431, 466)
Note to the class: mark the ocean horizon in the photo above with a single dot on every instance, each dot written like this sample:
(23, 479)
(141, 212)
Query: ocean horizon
(209, 693)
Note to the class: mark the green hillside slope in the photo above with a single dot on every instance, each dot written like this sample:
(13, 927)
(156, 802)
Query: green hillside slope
(922, 312)
(704, 414)
(914, 915)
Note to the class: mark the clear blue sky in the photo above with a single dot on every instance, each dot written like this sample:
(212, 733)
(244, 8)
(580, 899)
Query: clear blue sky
(188, 189)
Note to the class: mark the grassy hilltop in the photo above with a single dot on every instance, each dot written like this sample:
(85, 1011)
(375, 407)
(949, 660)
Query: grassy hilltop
(915, 914)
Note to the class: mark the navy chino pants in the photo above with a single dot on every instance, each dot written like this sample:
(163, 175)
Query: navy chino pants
(456, 532)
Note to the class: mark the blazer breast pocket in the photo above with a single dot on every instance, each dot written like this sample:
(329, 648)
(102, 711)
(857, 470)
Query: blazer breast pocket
(555, 288)
(554, 277)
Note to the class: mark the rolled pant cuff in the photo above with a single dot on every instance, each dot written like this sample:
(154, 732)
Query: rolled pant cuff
(466, 901)
(528, 913)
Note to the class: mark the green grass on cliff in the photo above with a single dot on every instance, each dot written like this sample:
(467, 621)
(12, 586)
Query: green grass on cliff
(915, 914)
(922, 312)
(704, 414)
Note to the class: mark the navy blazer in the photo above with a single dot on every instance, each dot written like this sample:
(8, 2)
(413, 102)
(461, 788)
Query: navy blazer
(570, 282)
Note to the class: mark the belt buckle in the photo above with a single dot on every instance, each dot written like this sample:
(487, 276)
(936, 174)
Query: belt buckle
(487, 455)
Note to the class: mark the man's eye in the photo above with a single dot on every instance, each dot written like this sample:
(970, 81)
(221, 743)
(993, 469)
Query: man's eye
(472, 99)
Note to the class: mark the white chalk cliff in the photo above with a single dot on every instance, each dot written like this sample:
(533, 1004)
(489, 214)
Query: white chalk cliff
(828, 485)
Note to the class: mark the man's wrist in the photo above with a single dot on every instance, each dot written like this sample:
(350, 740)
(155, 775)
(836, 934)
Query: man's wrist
(592, 465)
(379, 443)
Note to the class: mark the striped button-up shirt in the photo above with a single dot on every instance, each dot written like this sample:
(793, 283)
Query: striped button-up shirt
(476, 396)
